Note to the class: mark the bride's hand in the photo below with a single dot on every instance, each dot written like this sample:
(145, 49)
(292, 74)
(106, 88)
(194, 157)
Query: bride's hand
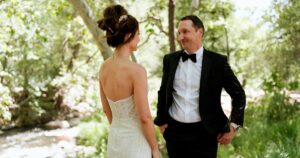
(155, 153)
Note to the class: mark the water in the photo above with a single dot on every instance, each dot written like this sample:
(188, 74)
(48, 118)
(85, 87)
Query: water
(39, 143)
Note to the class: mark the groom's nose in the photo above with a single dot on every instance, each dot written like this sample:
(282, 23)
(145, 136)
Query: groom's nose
(180, 37)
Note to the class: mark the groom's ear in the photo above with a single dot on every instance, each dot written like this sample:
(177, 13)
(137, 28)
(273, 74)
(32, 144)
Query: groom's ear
(201, 32)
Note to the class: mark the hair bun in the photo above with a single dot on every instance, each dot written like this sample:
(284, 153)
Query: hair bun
(110, 21)
(104, 25)
(114, 11)
(117, 23)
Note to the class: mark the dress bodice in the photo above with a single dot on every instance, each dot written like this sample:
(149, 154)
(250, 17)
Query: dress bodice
(123, 109)
(126, 138)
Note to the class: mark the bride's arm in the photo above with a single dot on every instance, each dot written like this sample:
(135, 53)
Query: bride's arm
(142, 107)
(104, 101)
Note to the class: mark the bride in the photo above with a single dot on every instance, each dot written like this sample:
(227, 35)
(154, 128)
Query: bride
(123, 90)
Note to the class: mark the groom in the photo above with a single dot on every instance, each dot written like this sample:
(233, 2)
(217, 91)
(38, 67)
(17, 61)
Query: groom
(189, 111)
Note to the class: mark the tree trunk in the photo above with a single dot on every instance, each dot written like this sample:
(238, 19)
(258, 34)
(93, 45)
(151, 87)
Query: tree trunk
(171, 25)
(85, 12)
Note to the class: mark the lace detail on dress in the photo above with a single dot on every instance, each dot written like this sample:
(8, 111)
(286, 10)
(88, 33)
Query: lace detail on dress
(126, 139)
(123, 109)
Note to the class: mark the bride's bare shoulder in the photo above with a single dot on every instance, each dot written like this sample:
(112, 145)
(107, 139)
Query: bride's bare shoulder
(137, 70)
(104, 65)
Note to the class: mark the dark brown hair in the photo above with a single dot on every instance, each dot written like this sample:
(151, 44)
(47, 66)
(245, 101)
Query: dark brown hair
(196, 21)
(117, 23)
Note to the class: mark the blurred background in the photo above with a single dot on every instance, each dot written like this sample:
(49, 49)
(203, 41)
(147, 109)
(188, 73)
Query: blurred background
(51, 51)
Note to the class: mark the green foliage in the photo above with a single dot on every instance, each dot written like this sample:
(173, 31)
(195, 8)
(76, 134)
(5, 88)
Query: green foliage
(94, 133)
(271, 129)
(5, 101)
(161, 144)
(43, 44)
(280, 107)
(281, 55)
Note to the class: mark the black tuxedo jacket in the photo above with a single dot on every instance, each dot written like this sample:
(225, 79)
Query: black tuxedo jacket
(215, 75)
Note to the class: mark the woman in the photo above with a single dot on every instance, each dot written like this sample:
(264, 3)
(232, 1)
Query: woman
(123, 89)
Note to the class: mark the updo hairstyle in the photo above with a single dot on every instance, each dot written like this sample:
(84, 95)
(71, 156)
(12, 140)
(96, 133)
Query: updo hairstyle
(117, 23)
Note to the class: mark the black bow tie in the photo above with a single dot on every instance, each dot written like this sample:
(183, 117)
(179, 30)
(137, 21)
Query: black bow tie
(186, 56)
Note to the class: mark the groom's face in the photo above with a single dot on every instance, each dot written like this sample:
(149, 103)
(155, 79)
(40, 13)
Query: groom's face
(189, 37)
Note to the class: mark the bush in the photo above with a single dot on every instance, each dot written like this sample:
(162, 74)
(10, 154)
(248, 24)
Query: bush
(271, 130)
(94, 133)
(5, 102)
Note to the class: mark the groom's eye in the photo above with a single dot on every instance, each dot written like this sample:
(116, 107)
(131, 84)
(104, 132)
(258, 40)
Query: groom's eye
(185, 31)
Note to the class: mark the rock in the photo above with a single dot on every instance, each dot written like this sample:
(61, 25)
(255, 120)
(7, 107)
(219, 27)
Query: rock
(64, 138)
(74, 121)
(57, 124)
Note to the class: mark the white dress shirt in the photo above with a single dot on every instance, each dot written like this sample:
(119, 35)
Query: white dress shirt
(185, 107)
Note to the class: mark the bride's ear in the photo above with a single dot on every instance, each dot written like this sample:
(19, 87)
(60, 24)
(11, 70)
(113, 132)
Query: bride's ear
(127, 36)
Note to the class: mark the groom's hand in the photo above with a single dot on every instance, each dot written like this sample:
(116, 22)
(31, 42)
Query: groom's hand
(163, 128)
(225, 138)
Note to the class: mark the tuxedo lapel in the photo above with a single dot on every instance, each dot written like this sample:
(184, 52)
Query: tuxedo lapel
(206, 64)
(173, 65)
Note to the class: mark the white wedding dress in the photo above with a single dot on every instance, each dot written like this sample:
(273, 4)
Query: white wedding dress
(126, 139)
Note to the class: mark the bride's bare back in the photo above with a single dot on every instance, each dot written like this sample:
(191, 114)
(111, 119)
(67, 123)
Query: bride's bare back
(116, 78)
(119, 79)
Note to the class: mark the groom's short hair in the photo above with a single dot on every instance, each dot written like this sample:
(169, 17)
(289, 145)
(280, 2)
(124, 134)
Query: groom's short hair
(196, 21)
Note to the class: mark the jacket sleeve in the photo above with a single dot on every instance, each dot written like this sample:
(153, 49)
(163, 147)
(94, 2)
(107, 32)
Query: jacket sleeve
(162, 113)
(238, 98)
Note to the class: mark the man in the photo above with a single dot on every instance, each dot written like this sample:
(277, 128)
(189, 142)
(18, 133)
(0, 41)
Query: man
(189, 111)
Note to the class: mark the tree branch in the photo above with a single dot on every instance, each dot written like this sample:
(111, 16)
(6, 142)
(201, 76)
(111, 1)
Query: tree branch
(157, 22)
(147, 39)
